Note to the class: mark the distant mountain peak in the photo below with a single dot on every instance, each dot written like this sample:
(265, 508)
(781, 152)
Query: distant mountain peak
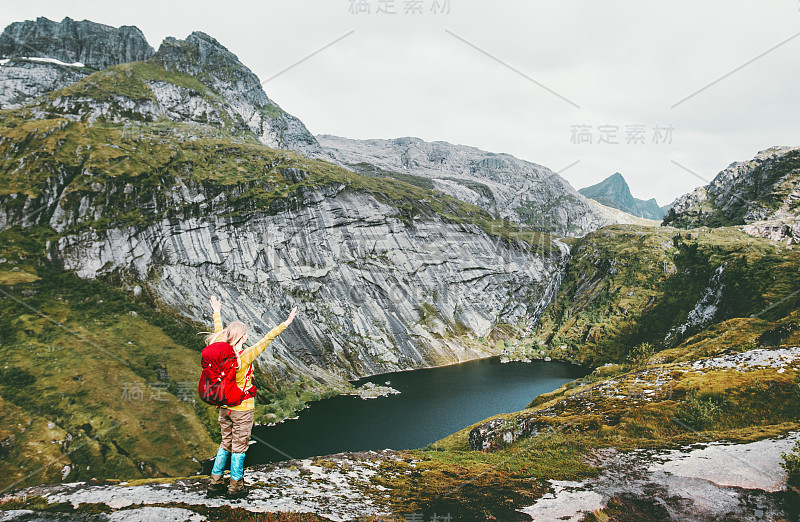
(614, 192)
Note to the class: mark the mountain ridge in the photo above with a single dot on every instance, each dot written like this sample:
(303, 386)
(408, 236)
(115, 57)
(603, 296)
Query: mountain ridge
(505, 186)
(615, 192)
(24, 81)
(96, 45)
(760, 194)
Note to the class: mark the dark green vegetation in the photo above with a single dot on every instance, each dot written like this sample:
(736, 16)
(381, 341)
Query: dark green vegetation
(791, 463)
(447, 478)
(93, 379)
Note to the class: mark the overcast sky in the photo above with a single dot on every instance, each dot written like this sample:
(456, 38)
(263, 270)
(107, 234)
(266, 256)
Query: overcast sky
(536, 79)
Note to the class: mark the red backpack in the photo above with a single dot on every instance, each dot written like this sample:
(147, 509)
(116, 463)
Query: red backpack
(217, 384)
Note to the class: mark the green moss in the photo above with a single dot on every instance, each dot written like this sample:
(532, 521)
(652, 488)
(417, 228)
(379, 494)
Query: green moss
(154, 157)
(129, 79)
(791, 464)
(368, 169)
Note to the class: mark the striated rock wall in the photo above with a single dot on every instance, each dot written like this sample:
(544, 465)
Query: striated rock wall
(375, 292)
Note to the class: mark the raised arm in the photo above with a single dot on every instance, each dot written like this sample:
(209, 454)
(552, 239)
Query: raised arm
(216, 306)
(249, 355)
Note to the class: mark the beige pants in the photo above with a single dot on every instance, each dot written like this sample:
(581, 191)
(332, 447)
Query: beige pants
(235, 427)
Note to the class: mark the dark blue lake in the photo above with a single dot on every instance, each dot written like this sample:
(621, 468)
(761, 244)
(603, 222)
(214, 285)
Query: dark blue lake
(433, 403)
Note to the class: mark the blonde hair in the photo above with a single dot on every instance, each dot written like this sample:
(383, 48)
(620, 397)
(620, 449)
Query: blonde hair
(231, 333)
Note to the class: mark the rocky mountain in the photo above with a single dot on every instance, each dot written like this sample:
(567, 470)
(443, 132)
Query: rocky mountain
(505, 186)
(763, 194)
(96, 46)
(202, 57)
(155, 175)
(628, 285)
(614, 192)
(41, 57)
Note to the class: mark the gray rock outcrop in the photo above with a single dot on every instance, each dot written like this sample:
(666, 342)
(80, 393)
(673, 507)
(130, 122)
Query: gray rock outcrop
(22, 81)
(25, 47)
(95, 45)
(763, 194)
(202, 56)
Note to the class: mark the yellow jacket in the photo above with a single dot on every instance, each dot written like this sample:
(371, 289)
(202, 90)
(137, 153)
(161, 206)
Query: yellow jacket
(246, 357)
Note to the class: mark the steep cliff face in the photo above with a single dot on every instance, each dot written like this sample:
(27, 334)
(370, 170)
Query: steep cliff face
(503, 185)
(376, 293)
(41, 56)
(763, 194)
(95, 45)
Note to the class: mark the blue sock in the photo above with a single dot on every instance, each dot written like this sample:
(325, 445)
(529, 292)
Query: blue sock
(220, 461)
(237, 466)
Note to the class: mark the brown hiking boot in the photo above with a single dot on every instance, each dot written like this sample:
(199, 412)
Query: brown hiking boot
(216, 487)
(237, 489)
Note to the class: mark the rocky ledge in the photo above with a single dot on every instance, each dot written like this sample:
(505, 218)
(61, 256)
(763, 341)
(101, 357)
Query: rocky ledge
(714, 481)
(700, 482)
